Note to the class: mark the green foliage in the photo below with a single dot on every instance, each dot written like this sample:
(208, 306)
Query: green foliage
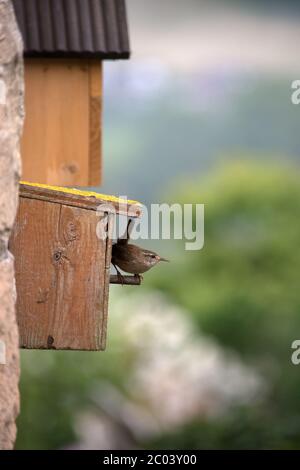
(243, 288)
(243, 428)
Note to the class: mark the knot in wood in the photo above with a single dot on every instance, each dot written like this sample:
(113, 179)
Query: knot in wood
(50, 342)
(57, 256)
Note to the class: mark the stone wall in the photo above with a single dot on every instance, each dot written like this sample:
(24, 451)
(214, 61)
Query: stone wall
(11, 121)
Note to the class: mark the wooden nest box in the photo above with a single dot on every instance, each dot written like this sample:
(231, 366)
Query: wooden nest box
(65, 44)
(62, 265)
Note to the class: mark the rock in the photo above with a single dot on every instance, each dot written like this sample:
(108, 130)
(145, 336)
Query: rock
(11, 122)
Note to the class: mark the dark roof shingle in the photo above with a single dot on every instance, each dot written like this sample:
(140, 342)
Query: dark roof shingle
(73, 28)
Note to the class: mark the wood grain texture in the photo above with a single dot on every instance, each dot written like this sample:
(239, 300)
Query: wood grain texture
(55, 146)
(95, 122)
(61, 276)
(108, 252)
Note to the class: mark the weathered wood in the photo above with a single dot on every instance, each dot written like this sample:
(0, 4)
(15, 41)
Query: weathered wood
(60, 276)
(62, 263)
(110, 227)
(64, 196)
(127, 280)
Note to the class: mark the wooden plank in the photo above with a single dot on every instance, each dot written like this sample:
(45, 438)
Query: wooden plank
(34, 271)
(82, 199)
(55, 143)
(110, 227)
(60, 277)
(95, 122)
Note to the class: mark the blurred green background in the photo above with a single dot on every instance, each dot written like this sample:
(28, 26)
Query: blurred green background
(199, 356)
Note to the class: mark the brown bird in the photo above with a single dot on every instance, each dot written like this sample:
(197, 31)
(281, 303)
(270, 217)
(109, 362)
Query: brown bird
(132, 258)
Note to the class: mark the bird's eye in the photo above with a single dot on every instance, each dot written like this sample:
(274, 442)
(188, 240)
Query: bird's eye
(152, 256)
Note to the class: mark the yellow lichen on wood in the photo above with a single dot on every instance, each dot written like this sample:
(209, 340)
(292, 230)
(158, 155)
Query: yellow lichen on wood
(80, 192)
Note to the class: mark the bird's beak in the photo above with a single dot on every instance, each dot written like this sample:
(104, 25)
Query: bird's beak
(164, 259)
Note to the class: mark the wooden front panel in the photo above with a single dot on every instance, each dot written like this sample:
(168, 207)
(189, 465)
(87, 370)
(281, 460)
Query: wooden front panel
(62, 276)
(61, 142)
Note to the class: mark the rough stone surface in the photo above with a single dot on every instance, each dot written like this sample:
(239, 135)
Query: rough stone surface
(11, 121)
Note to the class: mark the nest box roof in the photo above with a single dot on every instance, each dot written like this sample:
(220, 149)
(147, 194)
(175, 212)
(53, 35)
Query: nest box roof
(73, 28)
(79, 198)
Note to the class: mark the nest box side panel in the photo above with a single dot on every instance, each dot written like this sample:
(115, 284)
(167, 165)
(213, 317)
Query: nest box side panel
(61, 277)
